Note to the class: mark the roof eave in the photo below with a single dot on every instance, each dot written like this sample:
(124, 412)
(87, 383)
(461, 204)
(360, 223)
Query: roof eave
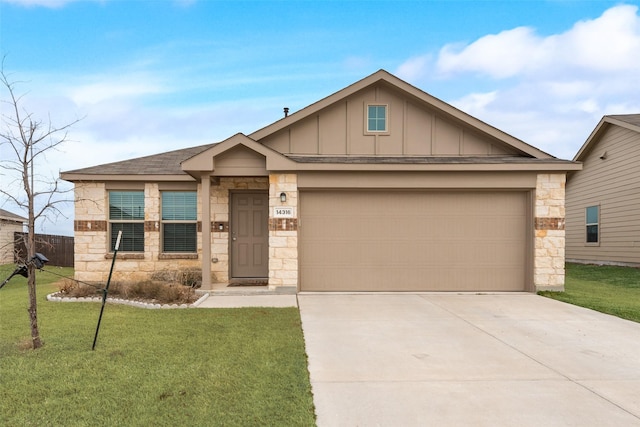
(83, 177)
(556, 166)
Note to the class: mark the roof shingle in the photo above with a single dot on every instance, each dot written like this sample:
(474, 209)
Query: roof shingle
(9, 216)
(633, 119)
(158, 164)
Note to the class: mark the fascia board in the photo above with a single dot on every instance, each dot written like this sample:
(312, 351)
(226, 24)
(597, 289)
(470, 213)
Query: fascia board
(79, 177)
(591, 140)
(565, 166)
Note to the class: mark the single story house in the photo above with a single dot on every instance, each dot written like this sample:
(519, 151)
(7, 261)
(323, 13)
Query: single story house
(377, 187)
(10, 223)
(603, 199)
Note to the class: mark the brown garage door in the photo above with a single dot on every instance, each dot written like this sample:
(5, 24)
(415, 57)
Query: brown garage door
(413, 241)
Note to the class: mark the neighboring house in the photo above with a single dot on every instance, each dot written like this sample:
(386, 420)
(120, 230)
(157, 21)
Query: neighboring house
(378, 187)
(603, 199)
(9, 224)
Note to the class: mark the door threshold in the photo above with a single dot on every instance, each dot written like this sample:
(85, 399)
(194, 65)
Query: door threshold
(248, 282)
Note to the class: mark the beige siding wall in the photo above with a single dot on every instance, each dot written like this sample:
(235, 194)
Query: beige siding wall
(7, 228)
(413, 130)
(613, 184)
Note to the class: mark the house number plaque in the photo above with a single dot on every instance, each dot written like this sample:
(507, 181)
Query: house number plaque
(283, 212)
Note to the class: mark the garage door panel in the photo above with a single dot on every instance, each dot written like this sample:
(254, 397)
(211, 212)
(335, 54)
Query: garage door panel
(433, 279)
(410, 241)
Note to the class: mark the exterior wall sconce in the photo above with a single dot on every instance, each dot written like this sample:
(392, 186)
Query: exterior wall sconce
(220, 226)
(283, 197)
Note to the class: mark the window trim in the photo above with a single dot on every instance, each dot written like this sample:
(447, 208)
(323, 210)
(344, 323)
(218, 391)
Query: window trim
(590, 224)
(111, 222)
(387, 124)
(163, 222)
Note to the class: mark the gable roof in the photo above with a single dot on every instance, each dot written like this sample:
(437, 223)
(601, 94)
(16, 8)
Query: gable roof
(411, 91)
(9, 216)
(185, 164)
(628, 121)
(204, 161)
(163, 165)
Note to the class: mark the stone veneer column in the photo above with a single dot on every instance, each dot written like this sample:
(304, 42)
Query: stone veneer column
(90, 232)
(549, 222)
(283, 232)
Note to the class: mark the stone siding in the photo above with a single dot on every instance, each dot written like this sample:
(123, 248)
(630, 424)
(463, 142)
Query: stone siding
(92, 256)
(93, 260)
(548, 269)
(283, 232)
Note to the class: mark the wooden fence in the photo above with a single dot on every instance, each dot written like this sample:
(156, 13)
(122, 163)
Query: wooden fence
(58, 249)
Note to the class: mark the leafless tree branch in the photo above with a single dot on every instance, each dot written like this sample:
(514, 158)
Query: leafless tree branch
(27, 139)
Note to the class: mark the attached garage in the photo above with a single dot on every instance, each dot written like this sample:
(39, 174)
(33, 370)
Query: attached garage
(416, 240)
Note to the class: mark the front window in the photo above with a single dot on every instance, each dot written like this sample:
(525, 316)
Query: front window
(376, 118)
(126, 213)
(179, 226)
(593, 224)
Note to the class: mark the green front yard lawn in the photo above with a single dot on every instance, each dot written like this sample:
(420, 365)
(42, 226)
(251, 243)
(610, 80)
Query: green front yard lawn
(609, 289)
(189, 366)
(195, 367)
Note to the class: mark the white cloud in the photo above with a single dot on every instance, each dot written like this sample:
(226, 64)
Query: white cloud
(476, 101)
(502, 55)
(100, 89)
(609, 43)
(548, 90)
(413, 68)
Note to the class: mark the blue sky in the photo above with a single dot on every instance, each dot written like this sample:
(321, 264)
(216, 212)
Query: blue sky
(151, 76)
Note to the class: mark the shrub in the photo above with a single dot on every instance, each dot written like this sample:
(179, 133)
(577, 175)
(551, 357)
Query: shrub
(71, 288)
(152, 291)
(191, 277)
(185, 276)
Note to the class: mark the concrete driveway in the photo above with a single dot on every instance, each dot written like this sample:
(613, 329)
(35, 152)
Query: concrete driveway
(462, 359)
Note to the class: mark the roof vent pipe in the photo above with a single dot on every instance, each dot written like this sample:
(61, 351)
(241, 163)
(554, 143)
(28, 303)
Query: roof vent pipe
(286, 111)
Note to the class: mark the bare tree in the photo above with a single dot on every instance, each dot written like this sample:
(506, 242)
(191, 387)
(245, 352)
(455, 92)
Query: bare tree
(26, 139)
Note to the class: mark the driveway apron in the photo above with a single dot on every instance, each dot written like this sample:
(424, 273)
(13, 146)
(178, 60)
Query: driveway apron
(466, 359)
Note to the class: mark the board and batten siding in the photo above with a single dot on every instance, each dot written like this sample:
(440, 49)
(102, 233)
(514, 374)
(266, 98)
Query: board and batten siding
(413, 130)
(613, 184)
